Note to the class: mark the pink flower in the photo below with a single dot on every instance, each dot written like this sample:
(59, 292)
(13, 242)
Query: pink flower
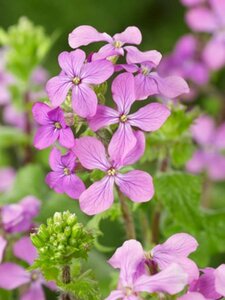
(85, 35)
(220, 280)
(63, 179)
(128, 258)
(211, 141)
(192, 2)
(214, 23)
(18, 217)
(53, 127)
(185, 61)
(3, 244)
(205, 285)
(7, 177)
(149, 118)
(149, 82)
(14, 117)
(192, 296)
(13, 276)
(78, 76)
(136, 185)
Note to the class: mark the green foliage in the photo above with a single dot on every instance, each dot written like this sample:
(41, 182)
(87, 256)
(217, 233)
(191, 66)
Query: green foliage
(27, 46)
(10, 137)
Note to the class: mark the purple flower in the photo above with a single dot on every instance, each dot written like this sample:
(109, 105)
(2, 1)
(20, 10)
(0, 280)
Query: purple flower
(78, 76)
(128, 259)
(85, 35)
(213, 15)
(18, 217)
(192, 296)
(63, 179)
(209, 157)
(149, 118)
(13, 276)
(7, 177)
(149, 82)
(205, 285)
(14, 117)
(53, 127)
(192, 2)
(136, 185)
(39, 76)
(186, 62)
(220, 280)
(3, 244)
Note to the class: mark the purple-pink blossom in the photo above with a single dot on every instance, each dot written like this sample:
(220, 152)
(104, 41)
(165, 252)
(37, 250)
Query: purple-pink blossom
(147, 81)
(148, 118)
(211, 142)
(85, 35)
(13, 276)
(63, 178)
(213, 14)
(52, 127)
(186, 61)
(7, 177)
(136, 185)
(78, 76)
(134, 279)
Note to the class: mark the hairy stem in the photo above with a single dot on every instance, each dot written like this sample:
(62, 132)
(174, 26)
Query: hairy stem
(127, 217)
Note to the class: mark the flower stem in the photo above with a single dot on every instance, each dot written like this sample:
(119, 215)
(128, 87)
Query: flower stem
(127, 217)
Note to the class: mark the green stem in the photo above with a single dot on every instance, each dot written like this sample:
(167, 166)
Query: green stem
(127, 217)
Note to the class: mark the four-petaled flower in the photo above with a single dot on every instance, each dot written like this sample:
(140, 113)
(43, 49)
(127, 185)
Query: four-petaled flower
(149, 118)
(85, 35)
(78, 76)
(137, 185)
(134, 279)
(53, 127)
(63, 178)
(13, 276)
(149, 82)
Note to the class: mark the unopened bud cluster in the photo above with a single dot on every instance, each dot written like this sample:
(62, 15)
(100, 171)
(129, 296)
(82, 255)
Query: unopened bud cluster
(62, 239)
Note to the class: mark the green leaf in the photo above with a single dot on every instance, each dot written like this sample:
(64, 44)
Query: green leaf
(10, 136)
(180, 195)
(181, 152)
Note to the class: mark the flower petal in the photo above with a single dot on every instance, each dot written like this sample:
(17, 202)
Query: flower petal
(195, 16)
(197, 163)
(3, 244)
(170, 87)
(150, 117)
(25, 250)
(192, 2)
(104, 52)
(172, 280)
(55, 160)
(192, 296)
(35, 292)
(131, 35)
(55, 181)
(84, 101)
(12, 276)
(57, 89)
(127, 258)
(114, 295)
(72, 62)
(203, 130)
(122, 142)
(45, 136)
(214, 54)
(97, 72)
(136, 185)
(220, 279)
(104, 117)
(73, 186)
(219, 9)
(66, 137)
(137, 151)
(91, 153)
(145, 86)
(40, 113)
(85, 35)
(123, 92)
(98, 197)
(135, 56)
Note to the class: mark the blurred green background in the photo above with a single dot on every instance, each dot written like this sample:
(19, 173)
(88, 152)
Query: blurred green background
(161, 21)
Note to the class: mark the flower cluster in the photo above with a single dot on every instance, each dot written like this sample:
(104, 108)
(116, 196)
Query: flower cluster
(74, 93)
(166, 269)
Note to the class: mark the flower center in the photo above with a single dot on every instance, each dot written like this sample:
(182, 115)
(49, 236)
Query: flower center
(149, 255)
(57, 125)
(145, 71)
(123, 118)
(128, 291)
(117, 44)
(66, 171)
(76, 80)
(111, 172)
(34, 275)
